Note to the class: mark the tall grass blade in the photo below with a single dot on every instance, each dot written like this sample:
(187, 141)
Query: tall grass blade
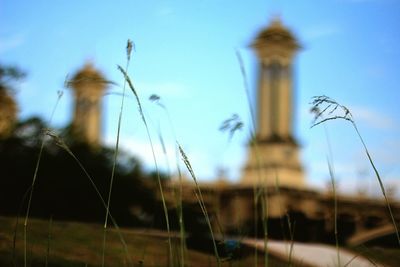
(291, 233)
(264, 214)
(64, 146)
(130, 84)
(256, 191)
(200, 200)
(380, 183)
(177, 190)
(178, 197)
(59, 95)
(334, 192)
(128, 52)
(48, 242)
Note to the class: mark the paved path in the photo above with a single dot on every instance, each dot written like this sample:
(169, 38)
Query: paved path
(318, 255)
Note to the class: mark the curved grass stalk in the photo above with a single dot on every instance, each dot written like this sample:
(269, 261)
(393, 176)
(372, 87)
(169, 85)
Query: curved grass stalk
(200, 199)
(130, 84)
(34, 179)
(61, 144)
(331, 107)
(178, 197)
(380, 183)
(177, 193)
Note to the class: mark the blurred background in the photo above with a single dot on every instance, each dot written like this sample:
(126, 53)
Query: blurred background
(185, 52)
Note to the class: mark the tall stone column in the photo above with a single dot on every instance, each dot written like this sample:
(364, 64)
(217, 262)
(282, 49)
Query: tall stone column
(273, 156)
(88, 86)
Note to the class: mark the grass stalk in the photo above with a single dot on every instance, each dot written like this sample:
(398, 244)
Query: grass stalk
(48, 242)
(380, 182)
(334, 192)
(264, 214)
(178, 198)
(264, 203)
(281, 209)
(291, 233)
(182, 233)
(24, 197)
(128, 53)
(255, 203)
(252, 134)
(322, 105)
(59, 95)
(200, 200)
(130, 84)
(62, 145)
(289, 223)
(177, 191)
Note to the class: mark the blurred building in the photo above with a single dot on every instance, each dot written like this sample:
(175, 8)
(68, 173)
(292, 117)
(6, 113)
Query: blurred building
(273, 155)
(88, 85)
(272, 191)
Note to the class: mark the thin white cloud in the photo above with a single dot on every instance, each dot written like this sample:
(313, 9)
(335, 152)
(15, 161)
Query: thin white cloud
(372, 118)
(142, 150)
(11, 42)
(200, 160)
(321, 31)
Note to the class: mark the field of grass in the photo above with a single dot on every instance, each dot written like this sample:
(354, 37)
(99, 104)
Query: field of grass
(80, 244)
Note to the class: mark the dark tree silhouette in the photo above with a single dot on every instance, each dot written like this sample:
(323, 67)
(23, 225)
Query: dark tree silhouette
(62, 189)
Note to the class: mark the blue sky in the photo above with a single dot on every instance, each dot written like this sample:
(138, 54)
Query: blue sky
(185, 53)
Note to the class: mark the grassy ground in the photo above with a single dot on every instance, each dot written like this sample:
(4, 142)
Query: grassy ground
(80, 244)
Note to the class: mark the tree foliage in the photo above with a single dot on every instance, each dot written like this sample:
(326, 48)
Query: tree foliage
(62, 189)
(8, 75)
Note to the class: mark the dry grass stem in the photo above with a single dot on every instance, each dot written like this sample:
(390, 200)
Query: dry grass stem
(130, 84)
(326, 109)
(59, 95)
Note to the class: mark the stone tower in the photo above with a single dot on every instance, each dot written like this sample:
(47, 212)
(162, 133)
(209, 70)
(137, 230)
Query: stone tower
(88, 86)
(273, 154)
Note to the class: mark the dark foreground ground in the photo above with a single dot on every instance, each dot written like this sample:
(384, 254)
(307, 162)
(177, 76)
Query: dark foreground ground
(80, 244)
(58, 243)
